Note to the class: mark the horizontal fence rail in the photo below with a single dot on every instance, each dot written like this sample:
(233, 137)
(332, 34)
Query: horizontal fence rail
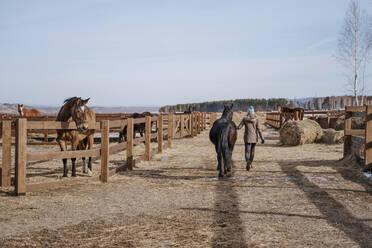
(168, 127)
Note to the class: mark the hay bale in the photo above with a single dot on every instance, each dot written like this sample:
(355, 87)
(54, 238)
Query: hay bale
(357, 122)
(300, 132)
(331, 136)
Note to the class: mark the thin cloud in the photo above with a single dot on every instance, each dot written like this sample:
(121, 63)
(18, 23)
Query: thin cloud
(320, 43)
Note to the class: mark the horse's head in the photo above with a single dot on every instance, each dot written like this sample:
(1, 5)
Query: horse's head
(227, 111)
(79, 114)
(20, 109)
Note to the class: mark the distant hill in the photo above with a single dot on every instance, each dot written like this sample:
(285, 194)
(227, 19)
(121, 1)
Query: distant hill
(7, 108)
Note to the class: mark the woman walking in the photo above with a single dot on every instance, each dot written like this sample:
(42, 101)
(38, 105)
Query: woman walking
(251, 133)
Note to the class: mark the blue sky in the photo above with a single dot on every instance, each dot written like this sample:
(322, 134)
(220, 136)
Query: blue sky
(141, 53)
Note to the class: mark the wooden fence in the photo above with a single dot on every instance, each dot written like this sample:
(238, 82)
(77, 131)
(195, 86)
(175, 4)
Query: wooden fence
(47, 133)
(170, 126)
(325, 119)
(359, 141)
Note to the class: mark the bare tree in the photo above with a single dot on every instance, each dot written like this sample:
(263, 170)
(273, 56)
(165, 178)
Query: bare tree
(354, 46)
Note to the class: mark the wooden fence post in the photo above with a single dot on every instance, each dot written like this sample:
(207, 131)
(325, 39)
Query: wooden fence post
(213, 118)
(170, 130)
(347, 139)
(174, 126)
(368, 139)
(198, 123)
(205, 121)
(280, 120)
(105, 131)
(148, 138)
(182, 125)
(6, 153)
(192, 133)
(130, 143)
(21, 156)
(160, 133)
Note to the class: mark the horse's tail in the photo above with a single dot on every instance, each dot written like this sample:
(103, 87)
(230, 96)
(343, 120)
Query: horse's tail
(224, 148)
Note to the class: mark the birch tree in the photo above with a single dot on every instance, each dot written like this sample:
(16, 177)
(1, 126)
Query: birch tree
(354, 46)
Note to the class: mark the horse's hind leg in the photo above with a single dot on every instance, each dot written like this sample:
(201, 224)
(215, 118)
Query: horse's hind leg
(219, 158)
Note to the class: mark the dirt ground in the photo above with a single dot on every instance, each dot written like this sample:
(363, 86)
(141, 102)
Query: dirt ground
(293, 197)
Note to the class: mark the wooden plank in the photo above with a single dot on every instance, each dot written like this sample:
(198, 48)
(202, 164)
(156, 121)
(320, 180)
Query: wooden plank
(148, 138)
(139, 120)
(118, 124)
(198, 123)
(347, 138)
(105, 151)
(57, 125)
(355, 108)
(368, 139)
(170, 130)
(204, 121)
(192, 132)
(37, 156)
(21, 156)
(160, 134)
(355, 132)
(6, 153)
(130, 143)
(182, 125)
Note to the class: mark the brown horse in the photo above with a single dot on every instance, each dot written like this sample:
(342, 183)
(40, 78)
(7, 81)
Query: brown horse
(291, 113)
(223, 135)
(75, 108)
(27, 112)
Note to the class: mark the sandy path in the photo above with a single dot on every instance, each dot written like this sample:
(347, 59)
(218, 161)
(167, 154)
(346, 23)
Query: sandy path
(293, 197)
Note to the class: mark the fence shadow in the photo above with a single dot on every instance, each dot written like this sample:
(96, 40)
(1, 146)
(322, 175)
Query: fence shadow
(335, 213)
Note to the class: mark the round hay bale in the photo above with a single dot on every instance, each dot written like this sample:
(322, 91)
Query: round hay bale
(356, 123)
(331, 136)
(300, 132)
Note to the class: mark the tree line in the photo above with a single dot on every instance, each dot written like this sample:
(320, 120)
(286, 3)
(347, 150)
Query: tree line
(239, 105)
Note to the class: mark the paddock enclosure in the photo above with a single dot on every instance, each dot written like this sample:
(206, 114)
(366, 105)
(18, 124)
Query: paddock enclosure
(294, 196)
(159, 128)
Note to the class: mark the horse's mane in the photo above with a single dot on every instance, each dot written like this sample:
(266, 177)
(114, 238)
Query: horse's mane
(71, 99)
(227, 112)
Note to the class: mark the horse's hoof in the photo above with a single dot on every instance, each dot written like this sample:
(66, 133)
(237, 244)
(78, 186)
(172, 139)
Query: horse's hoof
(229, 174)
(64, 175)
(89, 172)
(73, 175)
(220, 176)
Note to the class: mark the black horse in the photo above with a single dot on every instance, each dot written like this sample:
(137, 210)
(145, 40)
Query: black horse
(223, 135)
(138, 127)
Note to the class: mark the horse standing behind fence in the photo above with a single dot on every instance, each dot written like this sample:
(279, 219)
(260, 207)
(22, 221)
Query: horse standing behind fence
(81, 138)
(223, 135)
(291, 113)
(137, 128)
(27, 112)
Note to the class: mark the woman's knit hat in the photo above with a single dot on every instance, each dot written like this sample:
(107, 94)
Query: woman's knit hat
(250, 110)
